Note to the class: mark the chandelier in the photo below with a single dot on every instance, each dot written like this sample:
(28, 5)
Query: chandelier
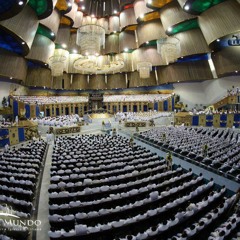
(169, 49)
(98, 64)
(144, 69)
(58, 62)
(91, 38)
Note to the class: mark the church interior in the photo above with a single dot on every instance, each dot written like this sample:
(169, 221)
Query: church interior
(119, 119)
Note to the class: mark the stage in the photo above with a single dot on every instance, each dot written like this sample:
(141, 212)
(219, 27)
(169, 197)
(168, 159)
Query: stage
(99, 113)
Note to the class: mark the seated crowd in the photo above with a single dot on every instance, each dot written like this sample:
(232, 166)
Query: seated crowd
(215, 147)
(59, 121)
(41, 100)
(104, 188)
(136, 98)
(5, 124)
(140, 116)
(19, 171)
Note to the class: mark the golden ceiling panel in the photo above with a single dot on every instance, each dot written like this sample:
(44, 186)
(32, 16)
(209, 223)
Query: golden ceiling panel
(151, 16)
(159, 3)
(62, 5)
(131, 28)
(66, 21)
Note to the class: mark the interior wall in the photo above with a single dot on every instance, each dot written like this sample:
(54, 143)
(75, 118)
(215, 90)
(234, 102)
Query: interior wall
(4, 90)
(205, 93)
(7, 88)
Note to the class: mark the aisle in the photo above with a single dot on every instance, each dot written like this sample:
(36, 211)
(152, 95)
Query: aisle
(44, 198)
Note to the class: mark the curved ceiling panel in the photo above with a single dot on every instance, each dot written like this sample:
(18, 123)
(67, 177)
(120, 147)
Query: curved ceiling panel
(11, 42)
(183, 26)
(10, 8)
(157, 3)
(149, 31)
(127, 41)
(127, 18)
(52, 22)
(24, 25)
(199, 6)
(192, 42)
(43, 30)
(140, 9)
(12, 66)
(173, 14)
(64, 6)
(42, 49)
(43, 8)
(220, 20)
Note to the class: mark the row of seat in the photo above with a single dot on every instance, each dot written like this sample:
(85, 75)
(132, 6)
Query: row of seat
(153, 203)
(19, 172)
(216, 148)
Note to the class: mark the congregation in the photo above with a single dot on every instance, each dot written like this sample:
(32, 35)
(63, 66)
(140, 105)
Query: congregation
(140, 116)
(103, 188)
(136, 98)
(222, 145)
(41, 100)
(59, 121)
(19, 175)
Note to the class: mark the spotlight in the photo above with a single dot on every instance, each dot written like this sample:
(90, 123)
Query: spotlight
(186, 7)
(20, 3)
(125, 49)
(169, 29)
(64, 45)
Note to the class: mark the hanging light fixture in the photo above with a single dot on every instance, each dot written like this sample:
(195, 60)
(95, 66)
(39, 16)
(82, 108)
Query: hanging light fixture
(144, 69)
(98, 64)
(58, 62)
(169, 49)
(91, 38)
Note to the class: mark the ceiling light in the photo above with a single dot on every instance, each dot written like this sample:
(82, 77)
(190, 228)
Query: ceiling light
(125, 49)
(83, 7)
(147, 42)
(149, 1)
(115, 11)
(74, 51)
(169, 29)
(11, 78)
(93, 16)
(186, 7)
(23, 43)
(20, 3)
(52, 34)
(64, 45)
(218, 40)
(69, 4)
(141, 16)
(114, 31)
(236, 71)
